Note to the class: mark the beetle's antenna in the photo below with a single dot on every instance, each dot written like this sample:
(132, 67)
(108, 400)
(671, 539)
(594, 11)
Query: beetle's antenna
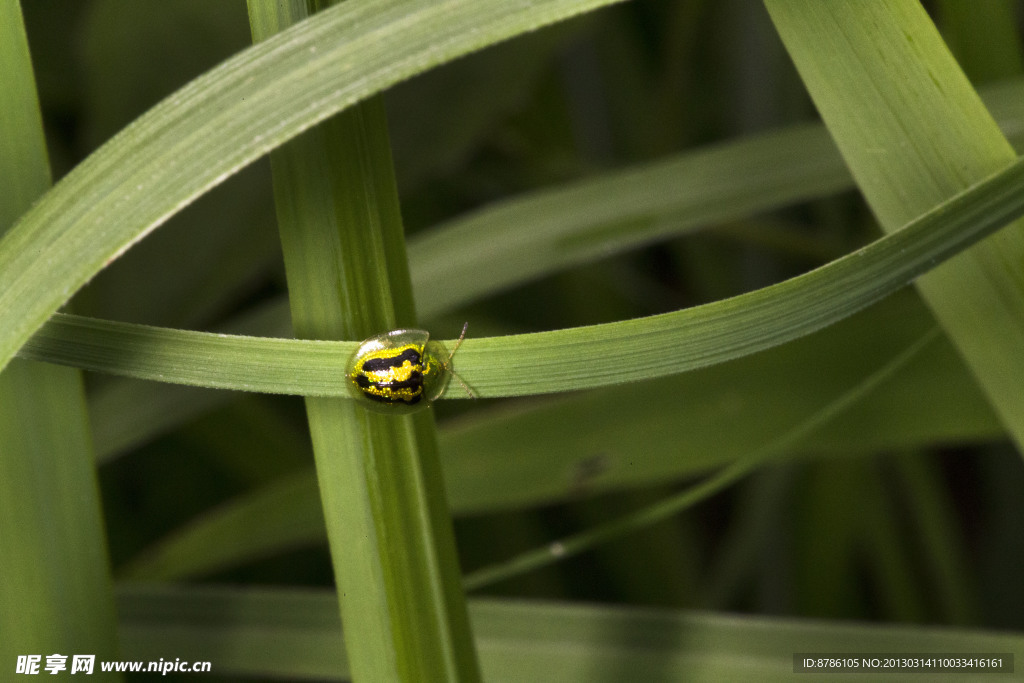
(448, 365)
(459, 343)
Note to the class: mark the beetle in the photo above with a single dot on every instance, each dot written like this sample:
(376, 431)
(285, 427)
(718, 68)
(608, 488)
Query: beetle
(402, 370)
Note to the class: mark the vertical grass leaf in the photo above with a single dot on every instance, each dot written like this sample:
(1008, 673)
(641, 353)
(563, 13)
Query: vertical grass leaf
(914, 133)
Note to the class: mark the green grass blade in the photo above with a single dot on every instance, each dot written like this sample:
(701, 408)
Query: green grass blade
(683, 419)
(224, 120)
(914, 133)
(56, 594)
(26, 172)
(391, 538)
(630, 350)
(546, 232)
(168, 405)
(1005, 100)
(126, 413)
(471, 256)
(293, 634)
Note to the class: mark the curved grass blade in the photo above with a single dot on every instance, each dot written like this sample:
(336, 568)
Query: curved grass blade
(537, 363)
(544, 232)
(224, 120)
(683, 418)
(914, 133)
(578, 237)
(528, 237)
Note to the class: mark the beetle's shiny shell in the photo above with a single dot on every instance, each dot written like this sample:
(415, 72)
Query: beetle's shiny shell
(400, 371)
